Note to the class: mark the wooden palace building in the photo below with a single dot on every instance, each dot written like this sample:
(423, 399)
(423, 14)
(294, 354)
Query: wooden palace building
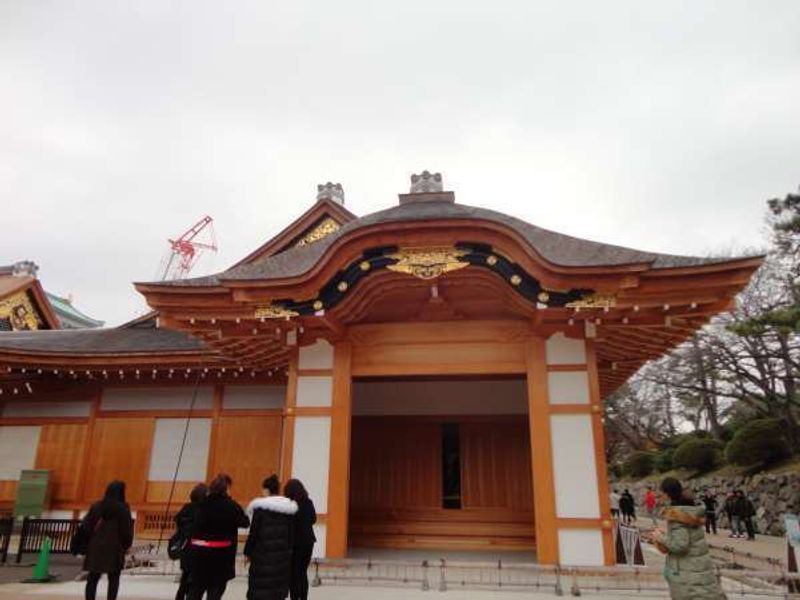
(433, 372)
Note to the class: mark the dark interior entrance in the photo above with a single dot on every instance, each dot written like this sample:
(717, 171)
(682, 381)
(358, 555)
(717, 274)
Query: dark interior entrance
(446, 477)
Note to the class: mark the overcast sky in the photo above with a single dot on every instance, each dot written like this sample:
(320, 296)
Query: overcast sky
(658, 125)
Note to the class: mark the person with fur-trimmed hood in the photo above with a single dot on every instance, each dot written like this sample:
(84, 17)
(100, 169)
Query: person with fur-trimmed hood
(688, 568)
(269, 544)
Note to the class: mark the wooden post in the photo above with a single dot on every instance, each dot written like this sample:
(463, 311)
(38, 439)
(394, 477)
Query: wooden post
(339, 473)
(600, 453)
(287, 437)
(544, 495)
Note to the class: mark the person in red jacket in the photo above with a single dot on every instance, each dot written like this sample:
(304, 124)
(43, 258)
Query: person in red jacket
(650, 505)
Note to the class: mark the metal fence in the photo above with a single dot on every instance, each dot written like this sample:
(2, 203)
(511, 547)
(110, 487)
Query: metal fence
(6, 528)
(444, 575)
(34, 531)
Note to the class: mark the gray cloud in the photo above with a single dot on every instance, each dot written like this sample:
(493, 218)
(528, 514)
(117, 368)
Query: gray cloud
(662, 126)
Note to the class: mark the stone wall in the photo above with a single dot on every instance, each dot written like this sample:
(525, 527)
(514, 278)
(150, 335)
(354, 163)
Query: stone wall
(772, 495)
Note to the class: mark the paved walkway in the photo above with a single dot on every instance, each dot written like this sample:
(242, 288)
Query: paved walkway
(146, 588)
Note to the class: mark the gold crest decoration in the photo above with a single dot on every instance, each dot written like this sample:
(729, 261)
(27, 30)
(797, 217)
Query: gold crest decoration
(20, 313)
(325, 228)
(274, 311)
(594, 301)
(427, 263)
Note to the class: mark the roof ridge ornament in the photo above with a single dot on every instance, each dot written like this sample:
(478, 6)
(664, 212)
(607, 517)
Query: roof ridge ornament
(331, 191)
(426, 182)
(24, 268)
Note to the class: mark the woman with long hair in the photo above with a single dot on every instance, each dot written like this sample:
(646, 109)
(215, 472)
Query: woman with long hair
(269, 544)
(212, 547)
(184, 521)
(688, 568)
(110, 530)
(304, 538)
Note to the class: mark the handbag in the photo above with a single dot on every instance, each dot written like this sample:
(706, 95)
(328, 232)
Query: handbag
(176, 547)
(79, 544)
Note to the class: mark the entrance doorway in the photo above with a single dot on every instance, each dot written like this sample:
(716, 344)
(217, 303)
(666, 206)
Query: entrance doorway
(441, 463)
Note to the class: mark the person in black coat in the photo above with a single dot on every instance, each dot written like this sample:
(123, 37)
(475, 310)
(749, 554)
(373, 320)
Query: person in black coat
(110, 529)
(304, 538)
(184, 521)
(269, 544)
(212, 548)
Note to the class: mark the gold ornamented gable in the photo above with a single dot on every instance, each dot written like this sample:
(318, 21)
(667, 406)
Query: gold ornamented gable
(594, 301)
(427, 263)
(325, 228)
(20, 313)
(274, 311)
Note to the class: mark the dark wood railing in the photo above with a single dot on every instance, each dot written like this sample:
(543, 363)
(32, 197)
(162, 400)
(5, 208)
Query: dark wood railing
(6, 527)
(60, 532)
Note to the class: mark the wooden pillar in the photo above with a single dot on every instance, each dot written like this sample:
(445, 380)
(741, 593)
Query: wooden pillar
(87, 446)
(216, 412)
(600, 452)
(339, 474)
(541, 452)
(287, 431)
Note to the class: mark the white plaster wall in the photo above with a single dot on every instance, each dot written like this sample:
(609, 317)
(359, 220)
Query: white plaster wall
(427, 397)
(57, 514)
(562, 350)
(167, 441)
(167, 398)
(314, 391)
(311, 457)
(319, 547)
(18, 446)
(580, 547)
(316, 356)
(574, 466)
(47, 409)
(568, 387)
(243, 397)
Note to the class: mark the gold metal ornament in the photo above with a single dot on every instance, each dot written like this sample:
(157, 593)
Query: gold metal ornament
(364, 265)
(428, 263)
(516, 280)
(491, 260)
(543, 297)
(274, 311)
(317, 305)
(342, 286)
(20, 313)
(594, 301)
(325, 228)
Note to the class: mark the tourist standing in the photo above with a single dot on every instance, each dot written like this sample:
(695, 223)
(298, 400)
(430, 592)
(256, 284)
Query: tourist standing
(110, 529)
(650, 505)
(738, 510)
(727, 508)
(304, 538)
(748, 512)
(269, 544)
(688, 569)
(184, 522)
(710, 502)
(627, 506)
(613, 499)
(212, 549)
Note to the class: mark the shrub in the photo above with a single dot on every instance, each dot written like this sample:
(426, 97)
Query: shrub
(663, 460)
(639, 464)
(760, 441)
(698, 454)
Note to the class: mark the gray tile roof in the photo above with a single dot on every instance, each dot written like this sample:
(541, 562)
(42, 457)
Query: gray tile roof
(557, 248)
(101, 341)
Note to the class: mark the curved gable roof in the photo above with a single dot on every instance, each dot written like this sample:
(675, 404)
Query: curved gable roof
(556, 248)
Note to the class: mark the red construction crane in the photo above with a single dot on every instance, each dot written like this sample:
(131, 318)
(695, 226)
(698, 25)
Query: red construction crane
(186, 249)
